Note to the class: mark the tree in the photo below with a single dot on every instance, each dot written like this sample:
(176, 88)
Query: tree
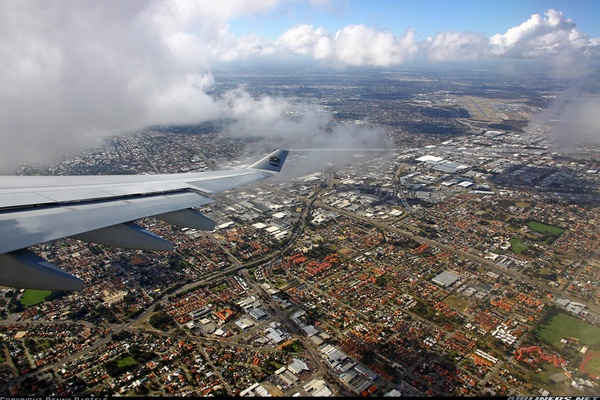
(118, 336)
(78, 314)
(142, 390)
(162, 321)
(15, 306)
(129, 298)
(57, 294)
(31, 345)
(381, 281)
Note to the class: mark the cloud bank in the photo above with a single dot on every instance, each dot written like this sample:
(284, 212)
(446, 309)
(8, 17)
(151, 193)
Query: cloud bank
(352, 45)
(76, 71)
(539, 37)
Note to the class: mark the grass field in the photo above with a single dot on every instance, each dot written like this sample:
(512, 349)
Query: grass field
(32, 297)
(45, 345)
(543, 228)
(458, 303)
(516, 246)
(126, 362)
(219, 288)
(564, 325)
(281, 284)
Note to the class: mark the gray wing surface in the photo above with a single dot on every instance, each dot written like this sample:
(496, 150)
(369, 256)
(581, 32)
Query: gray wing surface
(101, 209)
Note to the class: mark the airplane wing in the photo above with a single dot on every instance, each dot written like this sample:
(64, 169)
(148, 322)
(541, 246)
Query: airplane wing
(101, 209)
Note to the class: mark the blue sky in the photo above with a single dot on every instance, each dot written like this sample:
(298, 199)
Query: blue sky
(427, 17)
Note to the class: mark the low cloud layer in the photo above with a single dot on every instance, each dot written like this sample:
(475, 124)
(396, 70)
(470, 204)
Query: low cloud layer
(74, 71)
(275, 122)
(572, 120)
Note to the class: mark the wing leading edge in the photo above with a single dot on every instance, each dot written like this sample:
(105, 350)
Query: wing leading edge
(101, 208)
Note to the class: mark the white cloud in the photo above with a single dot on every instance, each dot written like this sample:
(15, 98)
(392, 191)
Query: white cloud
(359, 45)
(234, 48)
(303, 39)
(352, 45)
(539, 36)
(456, 46)
(552, 38)
(572, 119)
(73, 71)
(292, 125)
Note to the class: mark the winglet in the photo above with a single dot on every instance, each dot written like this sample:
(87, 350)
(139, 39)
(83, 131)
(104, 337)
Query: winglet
(273, 162)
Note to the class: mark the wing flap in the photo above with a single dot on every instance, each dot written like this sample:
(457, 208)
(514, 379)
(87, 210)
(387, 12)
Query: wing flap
(189, 218)
(25, 269)
(126, 236)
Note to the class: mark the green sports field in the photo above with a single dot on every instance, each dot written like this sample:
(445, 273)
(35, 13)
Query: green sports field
(32, 297)
(543, 228)
(564, 325)
(516, 245)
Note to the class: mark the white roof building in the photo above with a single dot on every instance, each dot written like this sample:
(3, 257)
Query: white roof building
(298, 366)
(446, 279)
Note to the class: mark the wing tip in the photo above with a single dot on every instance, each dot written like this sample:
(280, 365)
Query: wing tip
(273, 162)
